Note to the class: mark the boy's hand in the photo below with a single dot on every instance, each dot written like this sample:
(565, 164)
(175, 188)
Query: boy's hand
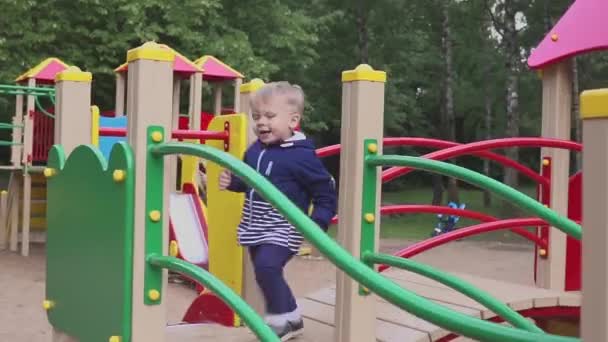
(225, 178)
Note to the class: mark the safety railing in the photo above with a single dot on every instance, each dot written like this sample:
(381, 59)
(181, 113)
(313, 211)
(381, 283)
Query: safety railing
(366, 276)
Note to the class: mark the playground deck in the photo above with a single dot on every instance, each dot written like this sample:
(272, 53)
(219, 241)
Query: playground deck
(392, 323)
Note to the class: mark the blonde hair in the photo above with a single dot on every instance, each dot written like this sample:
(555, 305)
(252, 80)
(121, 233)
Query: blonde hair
(293, 93)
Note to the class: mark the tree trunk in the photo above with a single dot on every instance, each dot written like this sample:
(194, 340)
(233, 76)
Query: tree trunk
(450, 121)
(578, 130)
(512, 96)
(487, 198)
(363, 32)
(437, 190)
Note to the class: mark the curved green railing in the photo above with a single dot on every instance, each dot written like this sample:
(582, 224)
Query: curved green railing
(249, 316)
(385, 288)
(469, 290)
(506, 192)
(42, 110)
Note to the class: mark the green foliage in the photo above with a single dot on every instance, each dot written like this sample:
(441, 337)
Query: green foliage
(309, 43)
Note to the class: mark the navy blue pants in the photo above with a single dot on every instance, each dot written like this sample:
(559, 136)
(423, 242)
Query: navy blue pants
(268, 262)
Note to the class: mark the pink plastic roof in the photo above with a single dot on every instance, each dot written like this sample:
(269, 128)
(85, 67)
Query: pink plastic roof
(583, 28)
(214, 69)
(45, 71)
(180, 65)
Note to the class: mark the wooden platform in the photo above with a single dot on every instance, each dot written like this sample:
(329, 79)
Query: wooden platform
(393, 324)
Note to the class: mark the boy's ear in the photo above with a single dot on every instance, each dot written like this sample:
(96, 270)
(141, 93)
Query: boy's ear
(294, 121)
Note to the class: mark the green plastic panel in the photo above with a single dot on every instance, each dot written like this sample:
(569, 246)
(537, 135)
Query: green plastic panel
(89, 243)
(368, 207)
(153, 276)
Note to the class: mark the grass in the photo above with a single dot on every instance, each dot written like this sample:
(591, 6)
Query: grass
(420, 226)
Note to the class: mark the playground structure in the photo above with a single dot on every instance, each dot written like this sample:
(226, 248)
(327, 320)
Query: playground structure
(358, 315)
(32, 127)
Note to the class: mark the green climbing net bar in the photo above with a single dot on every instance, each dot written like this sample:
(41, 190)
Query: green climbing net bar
(9, 126)
(469, 290)
(4, 88)
(385, 288)
(506, 192)
(9, 143)
(251, 318)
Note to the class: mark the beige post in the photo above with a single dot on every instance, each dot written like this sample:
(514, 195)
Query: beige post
(3, 219)
(362, 118)
(556, 118)
(121, 80)
(72, 108)
(73, 105)
(196, 90)
(217, 98)
(16, 150)
(237, 95)
(149, 102)
(594, 316)
(245, 94)
(14, 191)
(28, 142)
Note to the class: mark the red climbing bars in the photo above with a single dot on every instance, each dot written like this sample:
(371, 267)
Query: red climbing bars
(175, 134)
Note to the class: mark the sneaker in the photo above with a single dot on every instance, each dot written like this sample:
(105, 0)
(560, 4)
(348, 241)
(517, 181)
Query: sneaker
(290, 330)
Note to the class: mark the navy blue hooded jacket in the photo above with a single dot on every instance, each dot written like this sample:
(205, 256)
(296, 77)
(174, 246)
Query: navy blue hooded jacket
(293, 167)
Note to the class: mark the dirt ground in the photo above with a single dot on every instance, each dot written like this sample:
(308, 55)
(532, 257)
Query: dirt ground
(22, 318)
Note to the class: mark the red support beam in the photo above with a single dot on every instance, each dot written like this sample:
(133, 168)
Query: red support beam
(176, 134)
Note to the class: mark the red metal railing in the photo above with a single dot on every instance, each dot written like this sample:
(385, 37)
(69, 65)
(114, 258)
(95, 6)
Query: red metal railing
(472, 148)
(433, 209)
(444, 144)
(175, 134)
(43, 136)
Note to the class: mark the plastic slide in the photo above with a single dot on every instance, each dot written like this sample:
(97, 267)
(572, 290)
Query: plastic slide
(188, 228)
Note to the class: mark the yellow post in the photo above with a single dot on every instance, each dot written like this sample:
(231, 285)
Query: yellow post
(226, 257)
(362, 118)
(245, 91)
(594, 316)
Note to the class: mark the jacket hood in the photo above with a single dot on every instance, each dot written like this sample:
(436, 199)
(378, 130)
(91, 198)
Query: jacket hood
(298, 140)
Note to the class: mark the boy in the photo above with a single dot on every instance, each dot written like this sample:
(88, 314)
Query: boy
(288, 160)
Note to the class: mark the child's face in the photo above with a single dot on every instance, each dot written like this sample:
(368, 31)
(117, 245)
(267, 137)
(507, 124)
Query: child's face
(274, 119)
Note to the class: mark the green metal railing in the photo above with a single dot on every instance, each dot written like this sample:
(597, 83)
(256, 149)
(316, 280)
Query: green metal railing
(250, 317)
(10, 143)
(9, 126)
(25, 90)
(385, 288)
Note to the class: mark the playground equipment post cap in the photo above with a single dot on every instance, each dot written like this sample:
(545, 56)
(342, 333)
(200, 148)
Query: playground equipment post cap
(594, 104)
(74, 74)
(364, 72)
(156, 136)
(155, 215)
(151, 51)
(49, 172)
(119, 175)
(251, 86)
(47, 304)
(372, 148)
(115, 339)
(154, 295)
